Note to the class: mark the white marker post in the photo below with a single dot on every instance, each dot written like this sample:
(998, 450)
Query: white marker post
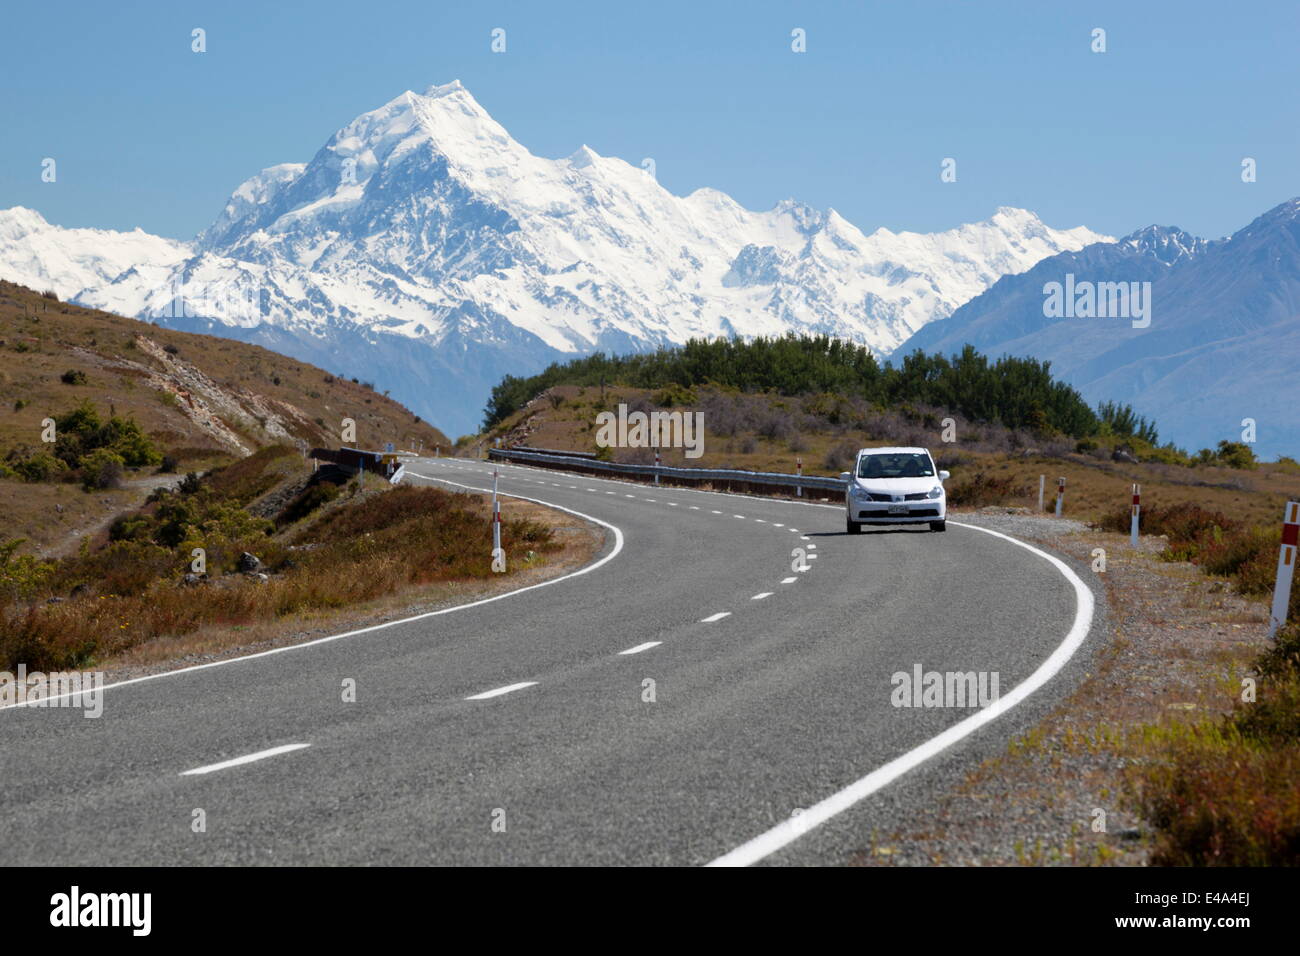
(1042, 485)
(1137, 508)
(1285, 567)
(1060, 495)
(798, 467)
(658, 464)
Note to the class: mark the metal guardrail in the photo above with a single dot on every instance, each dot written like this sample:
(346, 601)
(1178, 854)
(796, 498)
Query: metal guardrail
(716, 476)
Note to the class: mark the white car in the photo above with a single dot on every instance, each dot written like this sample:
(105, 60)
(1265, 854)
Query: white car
(895, 486)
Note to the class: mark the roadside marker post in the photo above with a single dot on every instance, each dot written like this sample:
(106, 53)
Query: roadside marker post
(1060, 495)
(798, 467)
(659, 462)
(1042, 484)
(1285, 567)
(1137, 508)
(496, 516)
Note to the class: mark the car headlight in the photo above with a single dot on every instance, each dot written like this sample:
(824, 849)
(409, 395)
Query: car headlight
(857, 491)
(936, 491)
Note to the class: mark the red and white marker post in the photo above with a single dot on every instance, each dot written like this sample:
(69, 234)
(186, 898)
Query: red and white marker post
(659, 462)
(798, 467)
(496, 517)
(1137, 508)
(1285, 566)
(1060, 495)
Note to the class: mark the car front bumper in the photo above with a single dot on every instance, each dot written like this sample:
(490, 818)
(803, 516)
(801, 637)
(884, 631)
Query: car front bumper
(878, 513)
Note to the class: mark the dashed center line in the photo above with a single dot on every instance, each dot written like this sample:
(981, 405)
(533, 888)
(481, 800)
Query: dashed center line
(247, 758)
(640, 647)
(715, 617)
(759, 597)
(508, 689)
(789, 580)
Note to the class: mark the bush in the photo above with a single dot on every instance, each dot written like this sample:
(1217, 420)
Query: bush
(39, 467)
(73, 377)
(982, 489)
(101, 469)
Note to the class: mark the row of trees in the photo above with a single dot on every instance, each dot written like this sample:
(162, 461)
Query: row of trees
(1015, 392)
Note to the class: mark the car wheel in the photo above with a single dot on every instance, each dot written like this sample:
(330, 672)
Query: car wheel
(853, 527)
(938, 525)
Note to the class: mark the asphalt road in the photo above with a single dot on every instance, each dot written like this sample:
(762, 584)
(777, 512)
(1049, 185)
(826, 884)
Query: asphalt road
(755, 716)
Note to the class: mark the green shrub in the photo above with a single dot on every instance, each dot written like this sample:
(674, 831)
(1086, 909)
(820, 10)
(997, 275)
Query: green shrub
(101, 469)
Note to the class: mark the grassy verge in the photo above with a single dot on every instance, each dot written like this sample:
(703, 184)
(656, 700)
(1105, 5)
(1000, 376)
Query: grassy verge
(179, 565)
(1226, 792)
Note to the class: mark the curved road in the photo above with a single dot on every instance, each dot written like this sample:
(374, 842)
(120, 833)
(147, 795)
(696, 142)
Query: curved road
(770, 694)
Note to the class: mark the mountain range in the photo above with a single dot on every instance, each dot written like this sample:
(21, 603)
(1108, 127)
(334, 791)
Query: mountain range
(424, 249)
(1221, 346)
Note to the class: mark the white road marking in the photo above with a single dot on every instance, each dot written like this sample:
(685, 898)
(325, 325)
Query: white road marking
(247, 758)
(785, 833)
(741, 517)
(811, 557)
(672, 504)
(717, 512)
(759, 597)
(508, 689)
(789, 580)
(695, 507)
(777, 524)
(715, 617)
(760, 521)
(640, 647)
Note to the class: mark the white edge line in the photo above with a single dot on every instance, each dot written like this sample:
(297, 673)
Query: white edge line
(498, 691)
(247, 758)
(788, 831)
(618, 546)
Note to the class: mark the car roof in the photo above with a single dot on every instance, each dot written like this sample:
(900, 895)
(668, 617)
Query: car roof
(894, 451)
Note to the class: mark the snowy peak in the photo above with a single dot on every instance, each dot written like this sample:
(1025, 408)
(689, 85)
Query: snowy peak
(1167, 244)
(422, 244)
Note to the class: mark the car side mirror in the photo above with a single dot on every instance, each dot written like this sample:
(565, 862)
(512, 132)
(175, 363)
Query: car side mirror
(845, 476)
(944, 476)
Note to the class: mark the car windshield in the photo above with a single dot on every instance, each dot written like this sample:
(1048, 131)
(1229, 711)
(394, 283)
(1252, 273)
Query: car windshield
(900, 465)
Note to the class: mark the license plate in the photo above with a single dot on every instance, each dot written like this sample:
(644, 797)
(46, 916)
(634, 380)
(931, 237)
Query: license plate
(898, 509)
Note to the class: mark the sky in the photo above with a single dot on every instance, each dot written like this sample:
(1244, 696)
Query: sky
(145, 132)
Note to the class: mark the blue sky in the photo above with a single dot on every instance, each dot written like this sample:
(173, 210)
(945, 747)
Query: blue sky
(147, 133)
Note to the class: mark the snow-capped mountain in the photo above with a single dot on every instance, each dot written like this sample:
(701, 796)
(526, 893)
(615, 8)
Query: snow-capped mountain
(42, 256)
(424, 249)
(1221, 346)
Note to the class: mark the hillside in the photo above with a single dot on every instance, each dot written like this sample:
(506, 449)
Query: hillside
(991, 464)
(199, 400)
